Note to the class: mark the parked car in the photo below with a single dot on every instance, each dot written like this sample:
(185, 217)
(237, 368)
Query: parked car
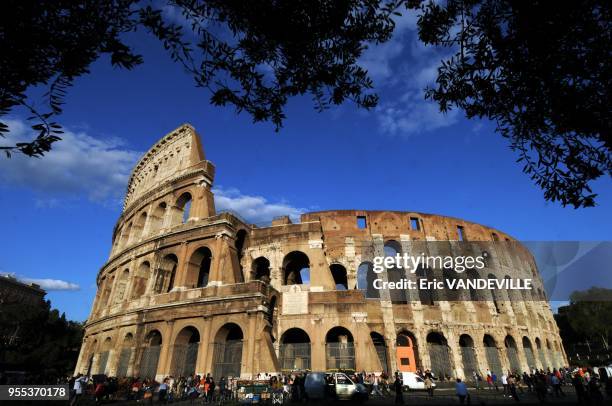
(336, 385)
(412, 381)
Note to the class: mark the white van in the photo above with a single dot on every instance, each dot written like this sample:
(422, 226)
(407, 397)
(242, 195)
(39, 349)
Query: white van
(338, 385)
(412, 381)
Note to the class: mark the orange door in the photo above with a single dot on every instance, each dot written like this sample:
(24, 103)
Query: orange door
(405, 354)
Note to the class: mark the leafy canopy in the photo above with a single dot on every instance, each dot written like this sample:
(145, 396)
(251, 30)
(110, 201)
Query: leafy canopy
(539, 69)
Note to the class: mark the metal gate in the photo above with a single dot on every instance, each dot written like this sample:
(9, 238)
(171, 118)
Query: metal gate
(493, 360)
(515, 364)
(102, 360)
(543, 359)
(531, 362)
(381, 351)
(227, 359)
(440, 360)
(558, 359)
(295, 356)
(470, 364)
(340, 355)
(148, 362)
(124, 362)
(184, 359)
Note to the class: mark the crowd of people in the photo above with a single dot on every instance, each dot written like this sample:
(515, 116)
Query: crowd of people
(588, 386)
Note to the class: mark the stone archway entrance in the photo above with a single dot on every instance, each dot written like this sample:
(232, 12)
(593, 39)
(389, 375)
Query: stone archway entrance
(404, 353)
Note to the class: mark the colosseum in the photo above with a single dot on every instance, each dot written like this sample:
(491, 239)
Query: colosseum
(190, 290)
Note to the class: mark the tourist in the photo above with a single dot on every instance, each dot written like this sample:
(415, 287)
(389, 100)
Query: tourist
(504, 381)
(163, 391)
(511, 383)
(397, 385)
(477, 379)
(429, 386)
(80, 383)
(461, 390)
(556, 385)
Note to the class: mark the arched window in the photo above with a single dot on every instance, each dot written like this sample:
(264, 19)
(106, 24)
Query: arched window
(227, 355)
(468, 356)
(426, 296)
(294, 350)
(183, 204)
(122, 286)
(512, 353)
(150, 355)
(529, 355)
(166, 274)
(339, 274)
(157, 218)
(198, 268)
(260, 269)
(381, 350)
(439, 355)
(241, 239)
(492, 354)
(365, 280)
(296, 269)
(139, 284)
(394, 274)
(185, 352)
(340, 349)
(406, 352)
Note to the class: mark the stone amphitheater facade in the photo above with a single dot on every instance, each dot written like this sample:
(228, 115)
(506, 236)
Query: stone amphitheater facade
(188, 290)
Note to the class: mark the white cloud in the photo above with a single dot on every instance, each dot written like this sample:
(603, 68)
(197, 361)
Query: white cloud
(256, 209)
(46, 284)
(78, 165)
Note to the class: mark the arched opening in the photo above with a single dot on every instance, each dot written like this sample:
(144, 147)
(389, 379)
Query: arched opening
(339, 274)
(294, 350)
(296, 269)
(405, 352)
(198, 268)
(549, 355)
(365, 280)
(381, 350)
(156, 219)
(540, 351)
(166, 274)
(260, 269)
(271, 310)
(475, 294)
(139, 226)
(468, 356)
(531, 362)
(439, 355)
(451, 294)
(494, 297)
(339, 349)
(103, 356)
(394, 274)
(185, 352)
(150, 355)
(108, 287)
(122, 284)
(512, 354)
(426, 296)
(228, 351)
(183, 205)
(126, 235)
(492, 354)
(241, 237)
(139, 283)
(125, 355)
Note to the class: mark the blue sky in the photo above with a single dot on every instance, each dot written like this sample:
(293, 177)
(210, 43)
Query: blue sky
(59, 211)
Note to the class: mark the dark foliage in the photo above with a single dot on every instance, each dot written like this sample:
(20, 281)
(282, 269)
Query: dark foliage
(541, 70)
(38, 339)
(253, 55)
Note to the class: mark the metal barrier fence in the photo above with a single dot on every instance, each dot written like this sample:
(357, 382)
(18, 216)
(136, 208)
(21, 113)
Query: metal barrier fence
(470, 364)
(102, 361)
(148, 361)
(531, 362)
(513, 358)
(492, 355)
(227, 358)
(295, 356)
(124, 362)
(381, 351)
(440, 360)
(340, 355)
(184, 359)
